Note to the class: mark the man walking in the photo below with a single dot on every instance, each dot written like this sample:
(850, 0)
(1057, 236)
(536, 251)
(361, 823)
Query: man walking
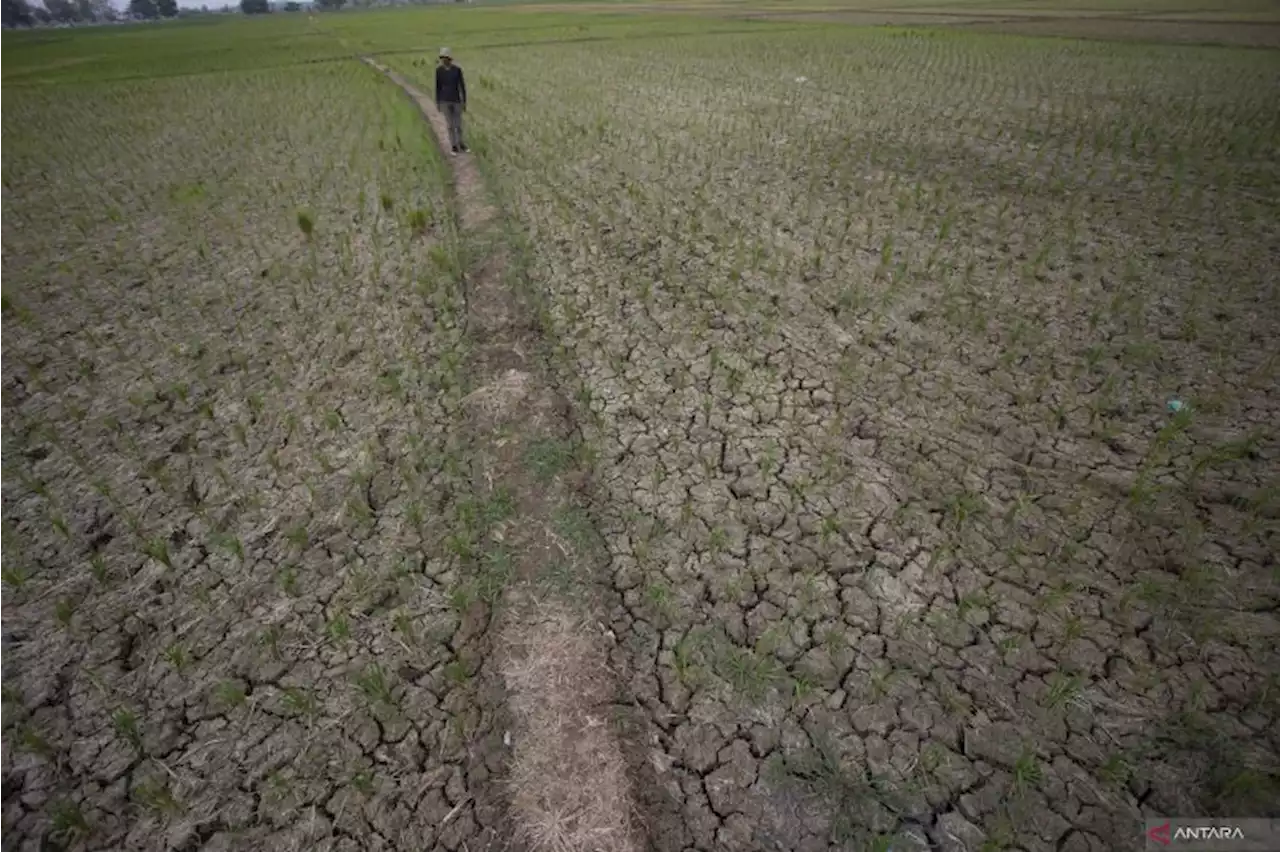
(451, 97)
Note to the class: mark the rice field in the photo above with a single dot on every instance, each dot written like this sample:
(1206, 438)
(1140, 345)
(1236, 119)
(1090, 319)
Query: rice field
(924, 479)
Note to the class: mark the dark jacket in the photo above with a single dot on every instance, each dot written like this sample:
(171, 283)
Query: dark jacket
(450, 87)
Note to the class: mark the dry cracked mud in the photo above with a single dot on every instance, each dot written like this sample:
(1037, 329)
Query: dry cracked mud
(934, 410)
(900, 541)
(243, 606)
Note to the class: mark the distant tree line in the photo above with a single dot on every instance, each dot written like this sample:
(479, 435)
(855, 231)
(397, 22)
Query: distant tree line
(27, 13)
(21, 13)
(262, 7)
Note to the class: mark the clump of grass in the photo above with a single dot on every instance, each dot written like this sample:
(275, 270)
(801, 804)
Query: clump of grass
(229, 543)
(822, 773)
(419, 221)
(1027, 773)
(98, 568)
(497, 571)
(364, 782)
(229, 694)
(457, 672)
(68, 825)
(125, 722)
(176, 656)
(689, 655)
(1063, 690)
(30, 740)
(64, 610)
(402, 623)
(300, 701)
(749, 673)
(549, 457)
(462, 596)
(372, 681)
(14, 575)
(1116, 771)
(337, 629)
(156, 797)
(574, 524)
(306, 223)
(288, 578)
(157, 548)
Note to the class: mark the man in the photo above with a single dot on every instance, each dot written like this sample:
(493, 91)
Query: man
(451, 97)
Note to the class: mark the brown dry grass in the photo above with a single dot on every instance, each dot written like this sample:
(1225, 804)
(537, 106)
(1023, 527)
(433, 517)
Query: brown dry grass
(569, 789)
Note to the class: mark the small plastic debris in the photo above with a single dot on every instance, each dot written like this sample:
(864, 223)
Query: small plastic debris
(1176, 405)
(506, 739)
(802, 79)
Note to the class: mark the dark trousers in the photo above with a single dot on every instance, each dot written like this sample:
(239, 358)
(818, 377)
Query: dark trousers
(453, 117)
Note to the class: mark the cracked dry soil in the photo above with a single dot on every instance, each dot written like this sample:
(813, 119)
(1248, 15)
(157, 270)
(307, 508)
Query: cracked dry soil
(242, 607)
(907, 547)
(902, 546)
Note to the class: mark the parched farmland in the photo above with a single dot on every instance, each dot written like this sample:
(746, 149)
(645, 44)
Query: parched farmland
(232, 619)
(933, 384)
(922, 488)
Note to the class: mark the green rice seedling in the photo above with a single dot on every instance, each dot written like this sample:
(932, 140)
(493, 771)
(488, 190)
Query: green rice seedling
(14, 575)
(277, 788)
(402, 623)
(337, 629)
(419, 221)
(157, 548)
(688, 657)
(306, 223)
(549, 457)
(31, 741)
(125, 722)
(375, 687)
(64, 610)
(176, 656)
(750, 674)
(574, 525)
(414, 515)
(1027, 773)
(288, 579)
(300, 701)
(229, 694)
(269, 638)
(67, 823)
(97, 567)
(456, 672)
(496, 571)
(718, 540)
(229, 543)
(1063, 690)
(364, 783)
(156, 797)
(1116, 771)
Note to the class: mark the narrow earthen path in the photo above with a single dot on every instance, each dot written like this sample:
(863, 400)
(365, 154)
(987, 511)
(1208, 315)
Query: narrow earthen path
(568, 784)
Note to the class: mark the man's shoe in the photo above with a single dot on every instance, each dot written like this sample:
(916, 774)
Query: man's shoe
(455, 149)
(464, 149)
